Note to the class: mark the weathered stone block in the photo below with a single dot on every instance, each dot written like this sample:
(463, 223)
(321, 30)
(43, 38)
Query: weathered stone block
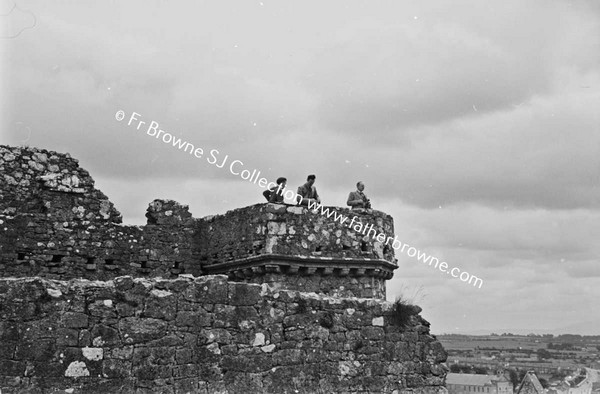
(160, 305)
(12, 368)
(208, 290)
(40, 350)
(289, 357)
(135, 330)
(244, 294)
(8, 331)
(116, 369)
(121, 353)
(373, 333)
(242, 363)
(75, 320)
(152, 372)
(196, 319)
(224, 316)
(209, 372)
(437, 351)
(218, 335)
(104, 335)
(187, 385)
(67, 337)
(183, 356)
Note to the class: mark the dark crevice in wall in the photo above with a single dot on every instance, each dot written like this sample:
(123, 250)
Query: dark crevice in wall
(364, 247)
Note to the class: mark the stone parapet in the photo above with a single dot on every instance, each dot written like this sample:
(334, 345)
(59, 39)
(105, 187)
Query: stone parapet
(295, 231)
(279, 243)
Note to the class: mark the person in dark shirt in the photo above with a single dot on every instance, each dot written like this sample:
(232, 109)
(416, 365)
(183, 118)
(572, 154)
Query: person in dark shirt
(275, 193)
(308, 191)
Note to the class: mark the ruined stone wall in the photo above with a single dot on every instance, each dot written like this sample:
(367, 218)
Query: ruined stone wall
(32, 245)
(50, 183)
(55, 224)
(207, 335)
(109, 333)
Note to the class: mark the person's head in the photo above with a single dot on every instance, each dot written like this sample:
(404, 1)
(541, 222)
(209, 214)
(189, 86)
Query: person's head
(360, 186)
(282, 181)
(311, 179)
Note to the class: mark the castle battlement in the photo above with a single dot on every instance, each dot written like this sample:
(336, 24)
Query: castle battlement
(295, 248)
(57, 225)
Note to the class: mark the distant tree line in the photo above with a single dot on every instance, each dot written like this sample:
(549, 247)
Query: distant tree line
(561, 346)
(459, 368)
(573, 338)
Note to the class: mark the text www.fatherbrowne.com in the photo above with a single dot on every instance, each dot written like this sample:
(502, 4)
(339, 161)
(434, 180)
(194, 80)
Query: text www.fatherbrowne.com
(411, 251)
(368, 230)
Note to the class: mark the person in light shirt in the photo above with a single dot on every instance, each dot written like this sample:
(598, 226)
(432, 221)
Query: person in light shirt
(358, 199)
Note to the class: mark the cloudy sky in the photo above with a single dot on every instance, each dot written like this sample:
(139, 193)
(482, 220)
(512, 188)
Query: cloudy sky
(476, 125)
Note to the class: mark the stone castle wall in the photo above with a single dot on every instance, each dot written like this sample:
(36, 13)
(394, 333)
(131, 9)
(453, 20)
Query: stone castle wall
(89, 305)
(206, 335)
(55, 224)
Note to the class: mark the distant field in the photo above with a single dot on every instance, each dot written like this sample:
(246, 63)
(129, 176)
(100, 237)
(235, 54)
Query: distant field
(491, 342)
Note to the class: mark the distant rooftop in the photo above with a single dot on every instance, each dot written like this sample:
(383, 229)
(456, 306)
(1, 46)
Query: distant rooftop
(530, 384)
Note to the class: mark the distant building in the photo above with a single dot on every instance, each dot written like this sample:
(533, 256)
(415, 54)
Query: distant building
(560, 388)
(579, 383)
(530, 384)
(466, 383)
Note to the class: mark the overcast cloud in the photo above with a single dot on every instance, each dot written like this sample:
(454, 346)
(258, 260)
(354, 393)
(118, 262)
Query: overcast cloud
(476, 125)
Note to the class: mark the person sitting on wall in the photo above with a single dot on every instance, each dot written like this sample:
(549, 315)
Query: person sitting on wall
(275, 194)
(358, 199)
(308, 191)
(277, 191)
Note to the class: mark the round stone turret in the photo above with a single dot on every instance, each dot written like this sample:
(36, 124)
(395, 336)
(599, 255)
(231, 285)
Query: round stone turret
(348, 253)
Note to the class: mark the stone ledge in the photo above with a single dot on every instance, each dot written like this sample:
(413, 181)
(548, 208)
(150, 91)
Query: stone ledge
(303, 265)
